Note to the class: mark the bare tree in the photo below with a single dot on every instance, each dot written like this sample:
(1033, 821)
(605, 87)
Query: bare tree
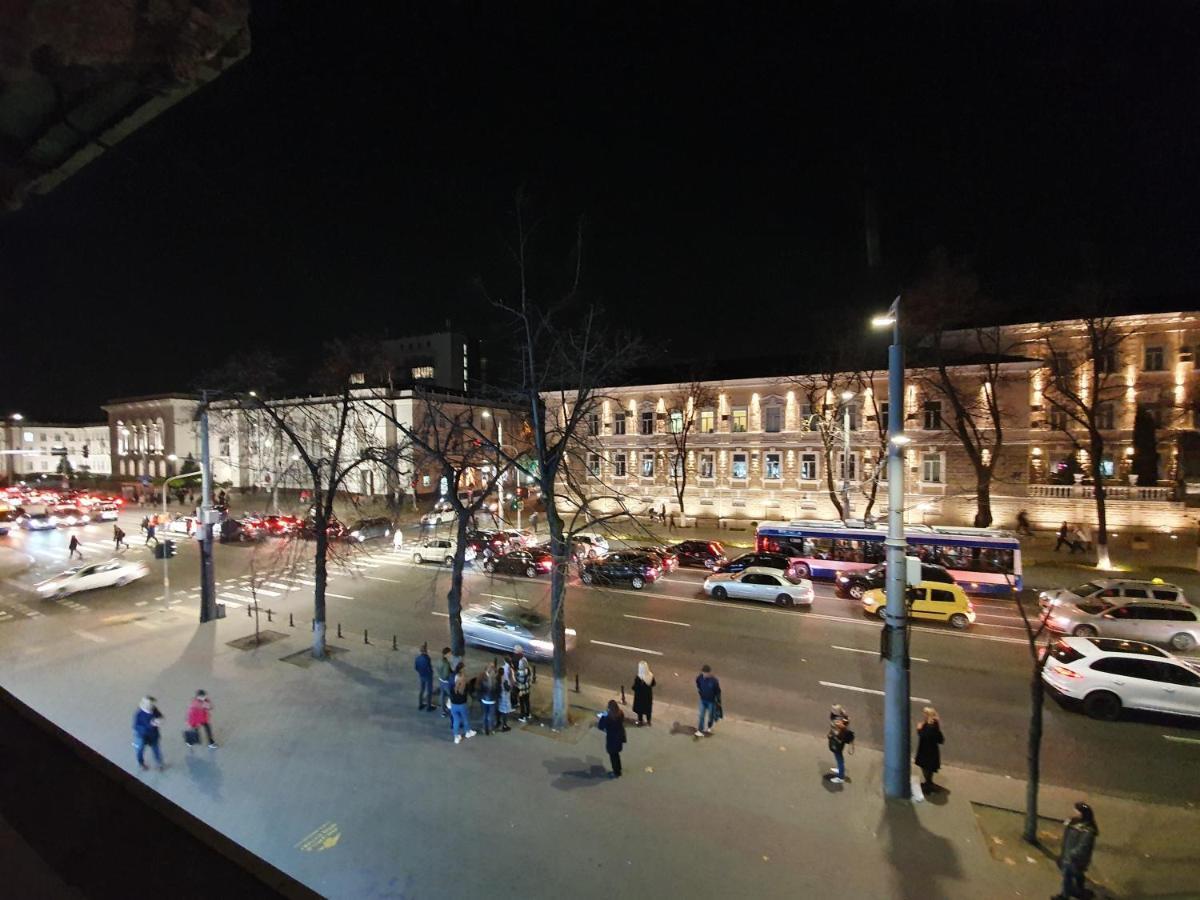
(683, 409)
(822, 393)
(1039, 655)
(864, 381)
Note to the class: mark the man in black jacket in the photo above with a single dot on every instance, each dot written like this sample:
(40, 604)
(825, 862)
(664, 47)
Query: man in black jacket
(1078, 841)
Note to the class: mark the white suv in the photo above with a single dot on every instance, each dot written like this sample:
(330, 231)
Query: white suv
(435, 550)
(593, 544)
(1108, 675)
(1112, 590)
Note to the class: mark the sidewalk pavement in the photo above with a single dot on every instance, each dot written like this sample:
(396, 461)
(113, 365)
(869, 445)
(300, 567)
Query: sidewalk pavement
(13, 562)
(328, 771)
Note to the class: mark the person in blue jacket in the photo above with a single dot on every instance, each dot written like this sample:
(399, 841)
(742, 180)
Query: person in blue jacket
(424, 667)
(612, 723)
(709, 689)
(145, 732)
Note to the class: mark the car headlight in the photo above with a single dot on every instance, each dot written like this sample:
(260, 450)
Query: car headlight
(46, 588)
(545, 646)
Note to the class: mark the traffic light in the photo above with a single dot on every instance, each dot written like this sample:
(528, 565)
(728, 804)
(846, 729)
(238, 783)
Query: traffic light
(168, 549)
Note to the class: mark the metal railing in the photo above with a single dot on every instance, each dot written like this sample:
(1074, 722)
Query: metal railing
(1088, 492)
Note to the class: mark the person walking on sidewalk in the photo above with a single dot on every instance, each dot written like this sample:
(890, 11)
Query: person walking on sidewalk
(145, 732)
(73, 548)
(397, 539)
(839, 736)
(1078, 842)
(460, 724)
(489, 696)
(524, 687)
(508, 690)
(150, 529)
(424, 666)
(199, 715)
(1064, 534)
(119, 539)
(1023, 526)
(929, 754)
(643, 693)
(709, 689)
(612, 723)
(445, 674)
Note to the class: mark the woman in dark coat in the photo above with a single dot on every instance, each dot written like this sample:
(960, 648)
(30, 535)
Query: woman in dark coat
(929, 740)
(612, 724)
(643, 693)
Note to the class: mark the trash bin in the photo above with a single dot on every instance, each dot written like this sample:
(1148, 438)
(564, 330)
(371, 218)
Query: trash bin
(220, 610)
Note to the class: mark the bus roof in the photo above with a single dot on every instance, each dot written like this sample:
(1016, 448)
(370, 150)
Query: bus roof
(922, 533)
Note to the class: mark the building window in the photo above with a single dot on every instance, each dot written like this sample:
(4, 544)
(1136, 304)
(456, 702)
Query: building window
(1058, 418)
(28, 436)
(676, 466)
(619, 423)
(675, 421)
(853, 417)
(422, 372)
(708, 421)
(773, 419)
(737, 422)
(931, 468)
(706, 465)
(807, 422)
(1106, 363)
(223, 445)
(619, 465)
(1105, 416)
(772, 467)
(647, 423)
(1153, 361)
(593, 424)
(593, 465)
(933, 415)
(647, 465)
(850, 473)
(739, 469)
(808, 467)
(883, 412)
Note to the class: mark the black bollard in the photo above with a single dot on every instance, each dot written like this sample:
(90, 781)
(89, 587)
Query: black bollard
(269, 614)
(248, 612)
(291, 621)
(577, 682)
(365, 641)
(622, 695)
(339, 629)
(394, 647)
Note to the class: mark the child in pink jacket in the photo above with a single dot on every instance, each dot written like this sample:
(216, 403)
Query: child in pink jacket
(197, 716)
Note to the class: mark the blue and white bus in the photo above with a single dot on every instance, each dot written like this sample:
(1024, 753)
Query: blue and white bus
(981, 560)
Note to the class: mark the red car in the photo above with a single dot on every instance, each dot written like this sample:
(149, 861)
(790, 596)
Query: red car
(281, 525)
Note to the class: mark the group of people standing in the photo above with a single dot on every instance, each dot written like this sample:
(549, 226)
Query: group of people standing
(929, 743)
(147, 720)
(500, 691)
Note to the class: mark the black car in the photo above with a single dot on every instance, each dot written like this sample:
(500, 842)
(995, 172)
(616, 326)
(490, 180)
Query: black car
(233, 531)
(668, 561)
(766, 560)
(369, 529)
(487, 543)
(855, 584)
(703, 554)
(636, 569)
(521, 562)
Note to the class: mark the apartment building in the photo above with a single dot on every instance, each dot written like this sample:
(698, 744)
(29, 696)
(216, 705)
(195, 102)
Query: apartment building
(38, 448)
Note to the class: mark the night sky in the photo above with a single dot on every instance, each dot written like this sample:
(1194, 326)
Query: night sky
(355, 174)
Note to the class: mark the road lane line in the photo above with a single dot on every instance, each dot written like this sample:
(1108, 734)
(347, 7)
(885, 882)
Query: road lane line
(88, 636)
(503, 597)
(863, 690)
(338, 596)
(1181, 740)
(436, 613)
(872, 652)
(276, 584)
(624, 647)
(381, 578)
(660, 621)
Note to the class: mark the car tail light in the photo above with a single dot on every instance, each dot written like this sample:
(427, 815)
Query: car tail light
(970, 605)
(1065, 672)
(546, 565)
(652, 572)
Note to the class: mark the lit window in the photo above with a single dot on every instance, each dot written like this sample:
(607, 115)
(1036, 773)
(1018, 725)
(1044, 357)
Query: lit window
(647, 465)
(708, 420)
(739, 468)
(739, 420)
(676, 421)
(706, 465)
(28, 437)
(676, 466)
(772, 467)
(420, 372)
(931, 468)
(808, 467)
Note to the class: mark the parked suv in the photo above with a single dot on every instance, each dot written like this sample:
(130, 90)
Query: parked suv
(370, 529)
(855, 584)
(704, 554)
(1107, 675)
(635, 569)
(593, 545)
(436, 550)
(1153, 621)
(1111, 590)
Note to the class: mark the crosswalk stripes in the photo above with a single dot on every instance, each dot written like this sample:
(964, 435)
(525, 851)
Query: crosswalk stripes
(71, 605)
(16, 606)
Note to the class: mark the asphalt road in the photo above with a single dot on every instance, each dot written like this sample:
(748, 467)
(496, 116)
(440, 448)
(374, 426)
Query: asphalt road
(779, 666)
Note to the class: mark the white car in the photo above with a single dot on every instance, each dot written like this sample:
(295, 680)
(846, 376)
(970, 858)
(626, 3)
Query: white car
(435, 550)
(114, 573)
(593, 544)
(180, 525)
(439, 517)
(760, 583)
(104, 512)
(1111, 590)
(1107, 675)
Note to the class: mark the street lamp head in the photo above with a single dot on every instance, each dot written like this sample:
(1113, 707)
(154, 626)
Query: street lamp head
(847, 396)
(253, 394)
(171, 457)
(885, 321)
(900, 439)
(486, 414)
(16, 417)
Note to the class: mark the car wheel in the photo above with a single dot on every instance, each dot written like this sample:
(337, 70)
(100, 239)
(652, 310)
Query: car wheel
(856, 592)
(783, 600)
(803, 570)
(450, 560)
(1084, 631)
(587, 578)
(417, 558)
(709, 564)
(1183, 641)
(881, 611)
(489, 566)
(638, 582)
(59, 595)
(1102, 705)
(959, 621)
(720, 593)
(530, 571)
(122, 581)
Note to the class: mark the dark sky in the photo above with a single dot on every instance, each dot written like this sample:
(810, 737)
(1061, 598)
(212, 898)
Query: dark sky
(355, 174)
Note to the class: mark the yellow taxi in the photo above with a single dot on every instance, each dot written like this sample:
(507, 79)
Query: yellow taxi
(928, 600)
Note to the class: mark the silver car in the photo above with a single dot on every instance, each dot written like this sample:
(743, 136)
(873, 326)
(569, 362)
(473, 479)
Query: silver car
(1152, 621)
(436, 550)
(503, 625)
(1111, 590)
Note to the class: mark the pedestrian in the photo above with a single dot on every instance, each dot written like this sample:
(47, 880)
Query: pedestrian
(1077, 542)
(73, 548)
(524, 686)
(424, 666)
(643, 693)
(199, 715)
(1064, 532)
(445, 674)
(929, 741)
(145, 732)
(460, 723)
(508, 693)
(150, 529)
(709, 689)
(612, 723)
(1023, 523)
(663, 514)
(488, 689)
(397, 539)
(671, 522)
(840, 736)
(1085, 536)
(533, 518)
(119, 539)
(1078, 842)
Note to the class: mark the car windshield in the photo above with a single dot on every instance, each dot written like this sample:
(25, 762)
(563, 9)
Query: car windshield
(1086, 589)
(1093, 606)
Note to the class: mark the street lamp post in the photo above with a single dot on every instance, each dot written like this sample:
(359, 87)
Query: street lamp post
(847, 396)
(166, 559)
(896, 767)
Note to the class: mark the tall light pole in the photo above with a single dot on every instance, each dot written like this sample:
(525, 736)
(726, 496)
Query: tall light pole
(208, 589)
(847, 396)
(167, 559)
(896, 743)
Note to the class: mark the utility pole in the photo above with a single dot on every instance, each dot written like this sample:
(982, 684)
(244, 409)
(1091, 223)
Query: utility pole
(847, 397)
(896, 741)
(208, 593)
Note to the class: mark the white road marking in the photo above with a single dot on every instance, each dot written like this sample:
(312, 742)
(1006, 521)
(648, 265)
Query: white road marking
(338, 596)
(381, 578)
(660, 621)
(503, 597)
(145, 625)
(88, 636)
(872, 652)
(260, 591)
(624, 647)
(1181, 740)
(863, 690)
(276, 584)
(144, 602)
(436, 613)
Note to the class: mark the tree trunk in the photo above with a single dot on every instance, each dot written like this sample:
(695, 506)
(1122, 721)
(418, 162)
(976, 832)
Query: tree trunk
(983, 497)
(833, 491)
(680, 487)
(1033, 754)
(558, 627)
(320, 577)
(454, 595)
(1097, 460)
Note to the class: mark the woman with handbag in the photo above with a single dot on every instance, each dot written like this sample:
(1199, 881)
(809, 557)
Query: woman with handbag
(612, 723)
(508, 691)
(929, 753)
(198, 716)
